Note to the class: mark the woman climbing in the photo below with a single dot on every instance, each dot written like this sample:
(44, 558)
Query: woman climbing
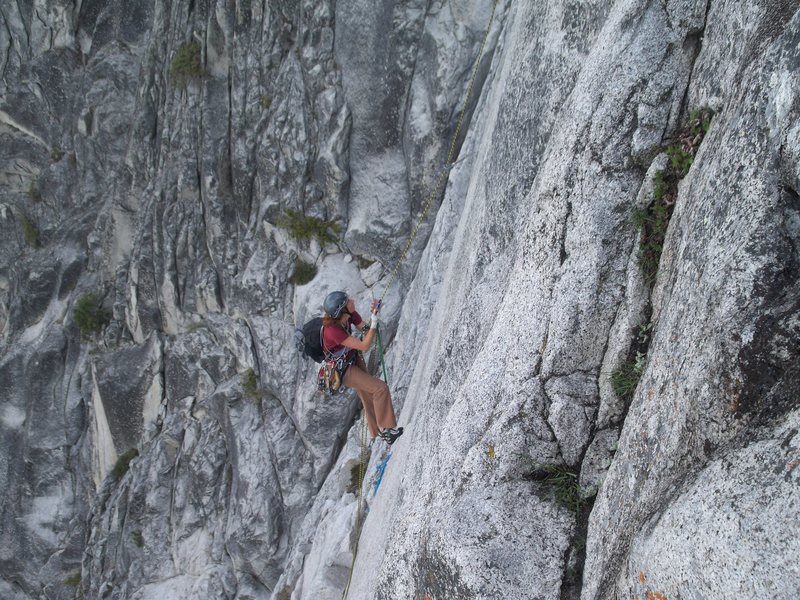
(340, 315)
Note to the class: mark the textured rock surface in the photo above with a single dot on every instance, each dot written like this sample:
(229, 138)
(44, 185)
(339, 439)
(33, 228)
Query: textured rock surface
(518, 300)
(721, 379)
(517, 361)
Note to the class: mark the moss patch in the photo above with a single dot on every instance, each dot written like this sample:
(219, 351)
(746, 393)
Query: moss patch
(284, 594)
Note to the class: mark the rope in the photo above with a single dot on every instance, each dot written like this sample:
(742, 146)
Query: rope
(434, 191)
(361, 472)
(361, 468)
(380, 350)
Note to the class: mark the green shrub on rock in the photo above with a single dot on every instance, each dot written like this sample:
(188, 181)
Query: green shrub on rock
(700, 122)
(138, 538)
(303, 272)
(303, 228)
(250, 385)
(562, 482)
(34, 193)
(89, 314)
(653, 220)
(187, 64)
(625, 379)
(124, 463)
(29, 231)
(680, 160)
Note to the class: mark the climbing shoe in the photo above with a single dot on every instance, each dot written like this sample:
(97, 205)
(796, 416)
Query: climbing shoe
(389, 435)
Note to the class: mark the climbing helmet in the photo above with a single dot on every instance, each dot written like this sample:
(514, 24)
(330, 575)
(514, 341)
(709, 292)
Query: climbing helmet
(334, 304)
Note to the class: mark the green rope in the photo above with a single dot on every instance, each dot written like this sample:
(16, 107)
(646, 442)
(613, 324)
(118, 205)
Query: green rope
(380, 351)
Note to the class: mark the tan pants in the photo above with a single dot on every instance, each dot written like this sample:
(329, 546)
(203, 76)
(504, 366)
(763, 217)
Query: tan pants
(374, 395)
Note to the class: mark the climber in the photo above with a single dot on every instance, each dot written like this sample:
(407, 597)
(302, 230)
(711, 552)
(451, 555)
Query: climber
(340, 315)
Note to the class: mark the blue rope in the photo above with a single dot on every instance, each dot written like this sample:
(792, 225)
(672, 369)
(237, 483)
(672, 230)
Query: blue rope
(380, 468)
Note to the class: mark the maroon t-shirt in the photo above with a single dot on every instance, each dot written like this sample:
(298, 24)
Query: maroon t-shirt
(333, 336)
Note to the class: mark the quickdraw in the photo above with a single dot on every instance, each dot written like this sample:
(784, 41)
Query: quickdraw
(331, 374)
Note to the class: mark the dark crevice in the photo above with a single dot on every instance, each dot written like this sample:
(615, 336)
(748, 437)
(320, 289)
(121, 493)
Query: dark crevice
(480, 78)
(546, 421)
(792, 198)
(10, 45)
(773, 352)
(564, 255)
(692, 44)
(560, 484)
(575, 556)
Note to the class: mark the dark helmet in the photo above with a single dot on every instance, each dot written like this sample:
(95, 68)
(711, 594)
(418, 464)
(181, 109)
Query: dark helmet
(334, 304)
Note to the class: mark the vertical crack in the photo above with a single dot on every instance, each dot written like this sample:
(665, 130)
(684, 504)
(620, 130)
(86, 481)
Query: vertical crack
(695, 38)
(564, 254)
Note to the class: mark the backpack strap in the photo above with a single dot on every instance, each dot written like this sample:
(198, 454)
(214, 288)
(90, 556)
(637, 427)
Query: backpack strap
(332, 355)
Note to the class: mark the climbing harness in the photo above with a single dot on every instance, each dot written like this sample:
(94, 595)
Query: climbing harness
(330, 378)
(331, 374)
(433, 193)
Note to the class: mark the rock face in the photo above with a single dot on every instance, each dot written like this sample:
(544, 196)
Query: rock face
(157, 159)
